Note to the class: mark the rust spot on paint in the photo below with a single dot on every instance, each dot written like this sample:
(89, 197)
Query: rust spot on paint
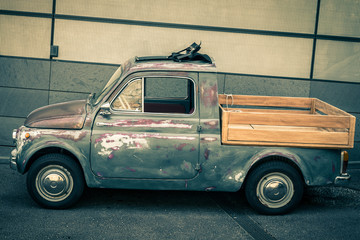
(209, 96)
(180, 147)
(206, 154)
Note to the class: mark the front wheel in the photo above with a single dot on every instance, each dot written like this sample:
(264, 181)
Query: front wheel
(55, 181)
(274, 188)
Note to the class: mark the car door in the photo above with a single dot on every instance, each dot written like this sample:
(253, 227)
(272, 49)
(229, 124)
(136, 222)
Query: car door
(150, 131)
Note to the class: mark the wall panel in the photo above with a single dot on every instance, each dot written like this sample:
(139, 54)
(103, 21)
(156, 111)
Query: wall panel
(79, 77)
(17, 102)
(25, 36)
(248, 85)
(273, 15)
(340, 18)
(57, 97)
(6, 127)
(342, 95)
(24, 73)
(238, 53)
(335, 60)
(42, 6)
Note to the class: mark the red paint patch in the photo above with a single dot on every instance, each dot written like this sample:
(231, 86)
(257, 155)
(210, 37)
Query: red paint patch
(130, 169)
(181, 146)
(206, 154)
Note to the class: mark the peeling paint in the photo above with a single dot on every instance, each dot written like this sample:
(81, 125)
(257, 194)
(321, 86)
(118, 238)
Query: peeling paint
(148, 123)
(208, 139)
(114, 142)
(238, 177)
(213, 124)
(210, 189)
(209, 95)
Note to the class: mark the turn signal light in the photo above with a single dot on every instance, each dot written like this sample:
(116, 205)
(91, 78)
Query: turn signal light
(27, 135)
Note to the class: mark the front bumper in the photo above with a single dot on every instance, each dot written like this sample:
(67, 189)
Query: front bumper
(13, 158)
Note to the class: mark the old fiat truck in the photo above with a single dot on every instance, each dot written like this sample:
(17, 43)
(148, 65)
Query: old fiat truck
(160, 124)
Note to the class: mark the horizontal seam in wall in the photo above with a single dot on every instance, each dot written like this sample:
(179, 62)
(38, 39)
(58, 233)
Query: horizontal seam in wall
(25, 88)
(181, 26)
(6, 145)
(39, 89)
(3, 116)
(64, 91)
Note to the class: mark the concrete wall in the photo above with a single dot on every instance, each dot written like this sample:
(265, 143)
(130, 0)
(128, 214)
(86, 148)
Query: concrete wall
(277, 48)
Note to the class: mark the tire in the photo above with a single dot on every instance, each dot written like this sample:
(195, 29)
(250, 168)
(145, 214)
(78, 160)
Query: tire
(55, 181)
(274, 188)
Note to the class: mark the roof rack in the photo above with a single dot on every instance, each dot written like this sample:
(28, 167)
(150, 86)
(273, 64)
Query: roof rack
(188, 54)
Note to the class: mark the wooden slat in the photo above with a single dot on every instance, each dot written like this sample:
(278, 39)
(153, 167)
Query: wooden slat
(329, 109)
(280, 111)
(225, 122)
(247, 100)
(276, 144)
(352, 131)
(289, 120)
(289, 137)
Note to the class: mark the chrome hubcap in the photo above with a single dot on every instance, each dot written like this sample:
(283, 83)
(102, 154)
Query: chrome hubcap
(275, 190)
(54, 183)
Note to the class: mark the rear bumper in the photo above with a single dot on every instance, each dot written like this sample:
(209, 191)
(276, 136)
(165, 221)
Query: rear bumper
(343, 179)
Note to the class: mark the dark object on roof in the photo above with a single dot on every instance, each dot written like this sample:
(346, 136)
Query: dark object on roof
(188, 54)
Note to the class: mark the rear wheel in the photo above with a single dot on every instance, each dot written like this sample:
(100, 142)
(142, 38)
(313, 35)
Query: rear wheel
(274, 188)
(55, 181)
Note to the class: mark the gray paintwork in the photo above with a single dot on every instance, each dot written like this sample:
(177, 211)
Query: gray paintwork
(161, 151)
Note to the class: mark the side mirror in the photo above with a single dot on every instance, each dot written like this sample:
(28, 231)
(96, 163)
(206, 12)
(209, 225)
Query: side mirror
(105, 109)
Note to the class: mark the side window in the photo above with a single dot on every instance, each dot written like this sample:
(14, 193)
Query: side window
(130, 98)
(157, 95)
(169, 95)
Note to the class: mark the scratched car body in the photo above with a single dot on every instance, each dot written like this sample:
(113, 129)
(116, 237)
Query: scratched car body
(137, 135)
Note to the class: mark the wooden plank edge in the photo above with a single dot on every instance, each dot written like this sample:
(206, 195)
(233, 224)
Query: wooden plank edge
(296, 120)
(297, 145)
(270, 101)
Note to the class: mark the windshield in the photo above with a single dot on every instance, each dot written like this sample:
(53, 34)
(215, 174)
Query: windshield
(114, 79)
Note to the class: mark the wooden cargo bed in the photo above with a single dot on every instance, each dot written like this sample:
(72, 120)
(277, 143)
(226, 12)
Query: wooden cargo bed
(284, 121)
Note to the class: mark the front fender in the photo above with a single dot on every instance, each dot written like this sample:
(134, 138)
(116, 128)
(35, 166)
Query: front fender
(74, 141)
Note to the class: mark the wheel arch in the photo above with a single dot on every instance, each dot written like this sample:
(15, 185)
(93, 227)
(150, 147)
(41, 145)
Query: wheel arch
(275, 158)
(47, 150)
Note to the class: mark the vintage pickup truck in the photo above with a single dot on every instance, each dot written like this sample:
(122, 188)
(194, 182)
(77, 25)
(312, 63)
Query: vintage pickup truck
(160, 124)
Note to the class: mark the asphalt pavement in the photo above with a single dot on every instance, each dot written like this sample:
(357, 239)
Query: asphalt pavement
(325, 213)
